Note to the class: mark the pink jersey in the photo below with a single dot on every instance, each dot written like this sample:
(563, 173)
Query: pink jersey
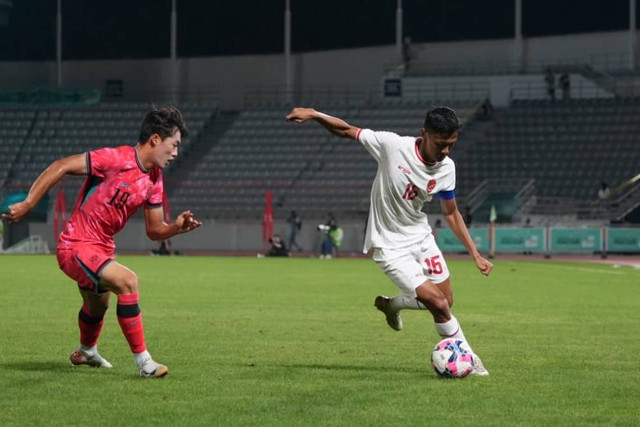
(116, 186)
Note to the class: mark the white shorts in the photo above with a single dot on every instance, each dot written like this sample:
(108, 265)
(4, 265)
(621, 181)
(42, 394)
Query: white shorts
(411, 266)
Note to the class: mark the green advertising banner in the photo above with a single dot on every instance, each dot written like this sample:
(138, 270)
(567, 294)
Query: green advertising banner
(448, 242)
(576, 240)
(520, 240)
(623, 240)
(37, 214)
(50, 96)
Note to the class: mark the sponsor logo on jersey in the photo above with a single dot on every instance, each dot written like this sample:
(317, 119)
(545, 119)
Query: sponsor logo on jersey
(125, 185)
(431, 185)
(404, 169)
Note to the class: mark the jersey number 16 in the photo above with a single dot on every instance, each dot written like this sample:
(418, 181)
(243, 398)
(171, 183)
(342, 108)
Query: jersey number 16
(410, 192)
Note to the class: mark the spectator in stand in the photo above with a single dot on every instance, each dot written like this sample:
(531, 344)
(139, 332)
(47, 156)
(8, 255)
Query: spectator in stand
(564, 82)
(487, 110)
(550, 80)
(406, 53)
(278, 248)
(604, 192)
(468, 217)
(295, 224)
(164, 249)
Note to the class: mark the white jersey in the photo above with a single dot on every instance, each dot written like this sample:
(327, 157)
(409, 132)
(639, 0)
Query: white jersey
(403, 183)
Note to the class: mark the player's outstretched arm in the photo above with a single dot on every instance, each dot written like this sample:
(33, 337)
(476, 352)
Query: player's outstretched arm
(333, 124)
(72, 165)
(157, 229)
(456, 224)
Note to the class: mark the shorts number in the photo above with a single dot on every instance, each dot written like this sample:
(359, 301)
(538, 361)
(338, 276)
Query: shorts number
(434, 266)
(410, 192)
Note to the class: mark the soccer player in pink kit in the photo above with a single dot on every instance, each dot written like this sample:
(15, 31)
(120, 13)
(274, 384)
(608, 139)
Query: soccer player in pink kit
(410, 172)
(119, 181)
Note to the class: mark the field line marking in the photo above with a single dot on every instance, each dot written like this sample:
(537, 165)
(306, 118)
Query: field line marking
(567, 267)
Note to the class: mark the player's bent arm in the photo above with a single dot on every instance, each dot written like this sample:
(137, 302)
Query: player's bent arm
(72, 165)
(334, 125)
(157, 229)
(456, 224)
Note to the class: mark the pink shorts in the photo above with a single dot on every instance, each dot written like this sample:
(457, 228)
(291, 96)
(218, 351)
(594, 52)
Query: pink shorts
(84, 264)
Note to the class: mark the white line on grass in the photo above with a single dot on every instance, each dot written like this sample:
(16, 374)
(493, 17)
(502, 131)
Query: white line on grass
(588, 270)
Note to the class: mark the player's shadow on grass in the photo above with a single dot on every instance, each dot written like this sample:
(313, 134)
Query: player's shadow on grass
(330, 367)
(42, 366)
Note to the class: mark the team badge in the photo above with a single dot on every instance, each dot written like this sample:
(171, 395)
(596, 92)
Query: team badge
(431, 185)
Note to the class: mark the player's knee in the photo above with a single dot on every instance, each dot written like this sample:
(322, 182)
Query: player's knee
(440, 304)
(128, 284)
(98, 308)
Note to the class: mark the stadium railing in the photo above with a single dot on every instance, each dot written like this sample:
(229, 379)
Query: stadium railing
(538, 90)
(201, 96)
(415, 93)
(609, 62)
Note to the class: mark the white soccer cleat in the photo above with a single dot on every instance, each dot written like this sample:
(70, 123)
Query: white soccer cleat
(393, 317)
(80, 357)
(151, 369)
(478, 367)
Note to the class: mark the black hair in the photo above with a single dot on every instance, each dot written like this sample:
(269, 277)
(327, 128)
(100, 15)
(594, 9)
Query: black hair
(442, 121)
(164, 121)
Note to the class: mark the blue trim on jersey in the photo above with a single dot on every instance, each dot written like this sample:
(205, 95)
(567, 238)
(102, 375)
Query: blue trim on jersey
(95, 277)
(447, 194)
(93, 185)
(92, 276)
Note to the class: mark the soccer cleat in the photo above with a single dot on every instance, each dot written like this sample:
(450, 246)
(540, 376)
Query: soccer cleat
(80, 357)
(393, 317)
(151, 369)
(478, 367)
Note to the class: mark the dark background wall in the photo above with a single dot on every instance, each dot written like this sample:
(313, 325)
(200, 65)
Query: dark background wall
(110, 29)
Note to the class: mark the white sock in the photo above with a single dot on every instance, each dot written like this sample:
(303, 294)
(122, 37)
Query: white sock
(141, 357)
(89, 350)
(450, 329)
(400, 302)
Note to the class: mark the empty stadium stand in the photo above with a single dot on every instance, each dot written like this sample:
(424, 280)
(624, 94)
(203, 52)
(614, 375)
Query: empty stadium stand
(306, 168)
(533, 157)
(33, 137)
(568, 147)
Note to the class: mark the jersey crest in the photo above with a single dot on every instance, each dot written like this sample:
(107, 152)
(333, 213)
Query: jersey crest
(431, 185)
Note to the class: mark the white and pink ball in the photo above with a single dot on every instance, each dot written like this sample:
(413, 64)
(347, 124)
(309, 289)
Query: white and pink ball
(452, 358)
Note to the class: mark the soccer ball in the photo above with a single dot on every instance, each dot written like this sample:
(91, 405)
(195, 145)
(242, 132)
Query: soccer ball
(452, 358)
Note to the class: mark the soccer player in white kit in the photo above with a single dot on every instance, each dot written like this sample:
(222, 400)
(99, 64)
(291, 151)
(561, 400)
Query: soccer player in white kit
(410, 172)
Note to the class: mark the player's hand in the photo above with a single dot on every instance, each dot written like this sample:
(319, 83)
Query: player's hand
(186, 222)
(300, 115)
(483, 265)
(17, 212)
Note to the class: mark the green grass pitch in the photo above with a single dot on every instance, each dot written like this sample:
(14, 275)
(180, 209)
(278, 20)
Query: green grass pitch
(297, 342)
